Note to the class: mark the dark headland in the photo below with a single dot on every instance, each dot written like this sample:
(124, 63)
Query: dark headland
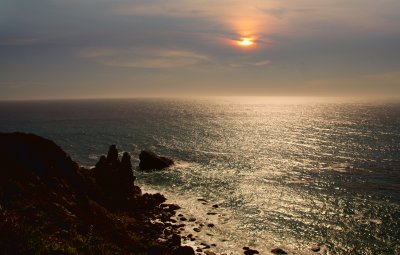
(51, 205)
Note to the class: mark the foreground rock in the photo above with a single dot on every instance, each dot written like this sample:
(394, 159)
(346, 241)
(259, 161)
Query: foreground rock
(184, 250)
(49, 205)
(150, 161)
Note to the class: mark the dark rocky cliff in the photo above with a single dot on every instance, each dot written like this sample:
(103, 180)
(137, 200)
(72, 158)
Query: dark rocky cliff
(49, 205)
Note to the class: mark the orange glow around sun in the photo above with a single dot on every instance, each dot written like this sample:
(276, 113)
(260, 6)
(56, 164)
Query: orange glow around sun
(245, 42)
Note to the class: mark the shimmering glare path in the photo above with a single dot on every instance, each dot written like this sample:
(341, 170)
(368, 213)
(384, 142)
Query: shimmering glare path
(290, 173)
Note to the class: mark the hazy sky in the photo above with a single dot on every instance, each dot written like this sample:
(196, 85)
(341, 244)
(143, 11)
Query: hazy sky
(127, 48)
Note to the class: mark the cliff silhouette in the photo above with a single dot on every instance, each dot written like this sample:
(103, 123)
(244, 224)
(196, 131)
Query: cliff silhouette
(51, 205)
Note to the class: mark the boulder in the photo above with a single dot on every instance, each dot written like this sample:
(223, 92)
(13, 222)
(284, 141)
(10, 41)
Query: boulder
(151, 161)
(278, 251)
(249, 251)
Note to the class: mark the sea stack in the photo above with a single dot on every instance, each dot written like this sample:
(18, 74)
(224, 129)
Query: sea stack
(115, 176)
(151, 161)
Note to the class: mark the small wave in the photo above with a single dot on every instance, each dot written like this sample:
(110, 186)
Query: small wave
(87, 166)
(94, 156)
(181, 163)
(214, 152)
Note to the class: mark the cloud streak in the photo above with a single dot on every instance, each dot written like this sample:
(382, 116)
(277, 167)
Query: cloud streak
(144, 57)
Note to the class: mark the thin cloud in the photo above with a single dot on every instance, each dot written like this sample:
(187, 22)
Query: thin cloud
(393, 77)
(144, 58)
(253, 63)
(22, 84)
(26, 40)
(222, 10)
(276, 12)
(281, 12)
(172, 8)
(159, 58)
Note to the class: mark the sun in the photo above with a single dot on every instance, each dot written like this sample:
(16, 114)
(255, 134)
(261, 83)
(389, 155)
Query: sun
(245, 42)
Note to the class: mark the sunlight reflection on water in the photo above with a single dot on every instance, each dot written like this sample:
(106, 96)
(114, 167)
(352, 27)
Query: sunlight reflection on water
(290, 173)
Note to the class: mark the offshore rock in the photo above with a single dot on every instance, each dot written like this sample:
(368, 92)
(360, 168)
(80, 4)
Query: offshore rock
(151, 161)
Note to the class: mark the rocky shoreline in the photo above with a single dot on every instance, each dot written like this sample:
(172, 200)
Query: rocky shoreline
(50, 205)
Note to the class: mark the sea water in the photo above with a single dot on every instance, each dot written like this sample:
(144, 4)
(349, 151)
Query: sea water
(284, 172)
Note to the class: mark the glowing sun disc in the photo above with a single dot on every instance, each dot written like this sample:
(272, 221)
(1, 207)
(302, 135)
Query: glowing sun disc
(245, 42)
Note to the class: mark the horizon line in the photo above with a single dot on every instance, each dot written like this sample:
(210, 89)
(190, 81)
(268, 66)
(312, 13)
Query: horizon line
(352, 97)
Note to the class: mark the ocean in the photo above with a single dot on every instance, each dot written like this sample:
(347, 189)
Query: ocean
(281, 172)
